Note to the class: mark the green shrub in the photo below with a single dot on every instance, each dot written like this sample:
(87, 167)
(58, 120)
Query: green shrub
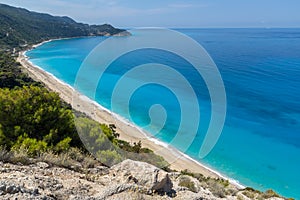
(32, 145)
(102, 141)
(63, 145)
(198, 176)
(224, 182)
(37, 113)
(109, 157)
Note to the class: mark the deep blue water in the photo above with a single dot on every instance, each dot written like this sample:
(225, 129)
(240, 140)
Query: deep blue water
(260, 142)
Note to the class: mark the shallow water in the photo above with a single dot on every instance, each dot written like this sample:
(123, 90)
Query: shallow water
(260, 142)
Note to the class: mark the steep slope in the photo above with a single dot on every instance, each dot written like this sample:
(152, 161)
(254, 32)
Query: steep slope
(20, 27)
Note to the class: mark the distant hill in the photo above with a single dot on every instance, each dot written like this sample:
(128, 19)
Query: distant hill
(20, 27)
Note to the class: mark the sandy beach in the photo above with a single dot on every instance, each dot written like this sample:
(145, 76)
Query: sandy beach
(128, 132)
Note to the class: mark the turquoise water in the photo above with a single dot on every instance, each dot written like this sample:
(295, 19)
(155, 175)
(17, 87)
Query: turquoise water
(260, 142)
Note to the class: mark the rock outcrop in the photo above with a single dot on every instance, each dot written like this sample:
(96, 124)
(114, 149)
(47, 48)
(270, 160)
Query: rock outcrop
(144, 175)
(126, 180)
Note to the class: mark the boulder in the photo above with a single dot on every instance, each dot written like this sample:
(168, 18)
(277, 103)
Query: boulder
(42, 165)
(143, 174)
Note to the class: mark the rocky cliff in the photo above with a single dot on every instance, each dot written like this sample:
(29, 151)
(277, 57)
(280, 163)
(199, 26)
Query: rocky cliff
(126, 180)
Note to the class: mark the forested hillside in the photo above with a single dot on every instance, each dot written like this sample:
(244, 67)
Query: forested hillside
(20, 27)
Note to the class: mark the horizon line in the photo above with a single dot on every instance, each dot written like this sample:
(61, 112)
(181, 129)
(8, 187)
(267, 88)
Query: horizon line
(139, 27)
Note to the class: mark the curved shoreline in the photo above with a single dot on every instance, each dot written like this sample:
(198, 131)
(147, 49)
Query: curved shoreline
(178, 160)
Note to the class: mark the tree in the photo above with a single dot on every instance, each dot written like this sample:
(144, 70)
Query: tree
(37, 113)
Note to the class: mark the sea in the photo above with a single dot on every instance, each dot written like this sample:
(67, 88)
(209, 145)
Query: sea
(259, 145)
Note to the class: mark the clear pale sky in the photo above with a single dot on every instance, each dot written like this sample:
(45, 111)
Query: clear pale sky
(172, 13)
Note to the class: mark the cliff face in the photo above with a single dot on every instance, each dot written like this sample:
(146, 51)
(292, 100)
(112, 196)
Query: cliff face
(127, 180)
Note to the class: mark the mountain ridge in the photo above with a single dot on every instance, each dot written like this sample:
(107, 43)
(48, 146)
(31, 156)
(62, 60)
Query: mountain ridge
(21, 27)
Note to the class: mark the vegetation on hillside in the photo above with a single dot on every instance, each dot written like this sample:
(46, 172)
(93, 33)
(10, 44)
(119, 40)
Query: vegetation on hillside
(37, 120)
(20, 27)
(11, 74)
(34, 118)
(109, 149)
(222, 188)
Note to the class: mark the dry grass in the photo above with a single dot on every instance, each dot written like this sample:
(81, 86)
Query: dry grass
(72, 159)
(186, 182)
(15, 157)
(255, 194)
(219, 187)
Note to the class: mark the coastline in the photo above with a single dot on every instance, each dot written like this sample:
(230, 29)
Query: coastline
(68, 38)
(178, 160)
(50, 40)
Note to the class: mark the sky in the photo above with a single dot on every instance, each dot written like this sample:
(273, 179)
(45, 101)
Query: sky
(172, 13)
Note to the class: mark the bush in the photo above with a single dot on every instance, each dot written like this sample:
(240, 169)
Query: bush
(198, 176)
(218, 190)
(186, 182)
(249, 194)
(63, 145)
(37, 113)
(32, 145)
(269, 194)
(102, 141)
(109, 157)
